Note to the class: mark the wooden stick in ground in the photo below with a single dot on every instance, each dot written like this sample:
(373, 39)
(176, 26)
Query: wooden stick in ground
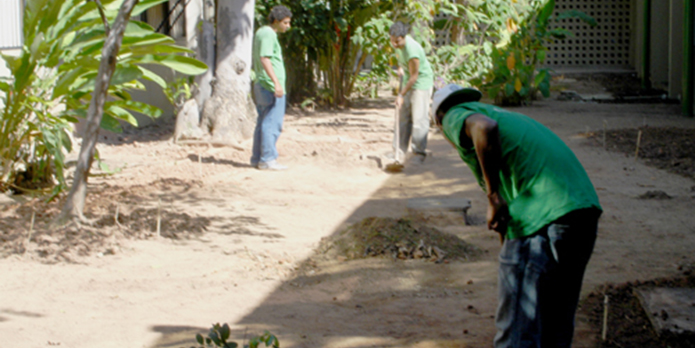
(604, 331)
(605, 125)
(159, 218)
(639, 139)
(115, 217)
(31, 229)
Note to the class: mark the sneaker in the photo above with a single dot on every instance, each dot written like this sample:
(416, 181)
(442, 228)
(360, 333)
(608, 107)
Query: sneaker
(272, 165)
(254, 164)
(419, 158)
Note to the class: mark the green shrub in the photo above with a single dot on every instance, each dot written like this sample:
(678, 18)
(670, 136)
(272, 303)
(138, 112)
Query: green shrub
(53, 78)
(516, 76)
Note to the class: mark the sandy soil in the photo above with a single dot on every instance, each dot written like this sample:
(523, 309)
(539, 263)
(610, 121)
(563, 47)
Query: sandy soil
(238, 245)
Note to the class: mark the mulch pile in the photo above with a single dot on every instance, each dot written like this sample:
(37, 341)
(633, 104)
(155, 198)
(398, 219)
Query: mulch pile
(398, 239)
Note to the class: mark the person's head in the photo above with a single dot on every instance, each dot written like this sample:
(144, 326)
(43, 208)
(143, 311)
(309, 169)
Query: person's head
(279, 18)
(398, 32)
(449, 96)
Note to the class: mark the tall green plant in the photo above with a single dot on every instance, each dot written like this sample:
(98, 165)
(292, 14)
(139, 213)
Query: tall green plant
(320, 47)
(52, 80)
(330, 39)
(471, 28)
(516, 74)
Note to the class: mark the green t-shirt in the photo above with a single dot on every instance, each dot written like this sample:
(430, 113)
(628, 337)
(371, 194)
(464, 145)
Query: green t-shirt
(412, 49)
(540, 178)
(266, 44)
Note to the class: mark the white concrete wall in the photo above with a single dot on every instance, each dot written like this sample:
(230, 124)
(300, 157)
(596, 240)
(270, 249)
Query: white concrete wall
(11, 17)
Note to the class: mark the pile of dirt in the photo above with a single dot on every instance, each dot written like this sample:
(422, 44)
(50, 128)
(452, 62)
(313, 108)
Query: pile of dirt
(402, 239)
(672, 149)
(115, 214)
(628, 324)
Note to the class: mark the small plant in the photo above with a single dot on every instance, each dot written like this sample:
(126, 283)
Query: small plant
(368, 83)
(325, 96)
(219, 334)
(180, 90)
(308, 104)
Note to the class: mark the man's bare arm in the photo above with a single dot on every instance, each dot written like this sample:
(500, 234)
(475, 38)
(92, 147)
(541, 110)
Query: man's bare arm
(268, 67)
(482, 133)
(414, 69)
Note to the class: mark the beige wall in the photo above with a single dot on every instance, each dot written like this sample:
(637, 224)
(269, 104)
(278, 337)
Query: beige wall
(154, 95)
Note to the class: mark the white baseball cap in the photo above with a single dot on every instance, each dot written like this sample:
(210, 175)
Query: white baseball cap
(451, 95)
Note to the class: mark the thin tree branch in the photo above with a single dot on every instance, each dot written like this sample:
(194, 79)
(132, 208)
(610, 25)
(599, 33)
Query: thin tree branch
(100, 7)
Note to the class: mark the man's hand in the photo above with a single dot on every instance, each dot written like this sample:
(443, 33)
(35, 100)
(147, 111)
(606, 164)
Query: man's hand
(279, 92)
(497, 214)
(268, 67)
(399, 101)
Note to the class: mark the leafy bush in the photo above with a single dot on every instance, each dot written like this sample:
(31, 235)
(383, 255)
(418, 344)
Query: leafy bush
(468, 32)
(53, 78)
(515, 77)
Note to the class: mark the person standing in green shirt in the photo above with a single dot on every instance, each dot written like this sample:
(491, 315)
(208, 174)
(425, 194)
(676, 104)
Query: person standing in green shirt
(542, 203)
(269, 89)
(413, 99)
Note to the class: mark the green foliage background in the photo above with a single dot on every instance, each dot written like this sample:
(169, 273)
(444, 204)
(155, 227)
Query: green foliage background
(330, 39)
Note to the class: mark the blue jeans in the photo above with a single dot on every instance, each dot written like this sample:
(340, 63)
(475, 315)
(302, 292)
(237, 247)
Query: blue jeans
(271, 114)
(540, 278)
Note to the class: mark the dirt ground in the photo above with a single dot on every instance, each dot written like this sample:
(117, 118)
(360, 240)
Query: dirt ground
(247, 247)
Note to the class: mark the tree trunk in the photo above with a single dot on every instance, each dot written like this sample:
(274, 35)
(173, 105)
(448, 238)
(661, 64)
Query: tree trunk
(230, 114)
(74, 204)
(205, 50)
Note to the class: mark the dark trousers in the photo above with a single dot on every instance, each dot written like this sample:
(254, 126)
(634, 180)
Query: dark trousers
(540, 279)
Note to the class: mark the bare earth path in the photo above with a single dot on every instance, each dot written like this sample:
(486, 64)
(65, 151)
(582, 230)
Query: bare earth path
(255, 266)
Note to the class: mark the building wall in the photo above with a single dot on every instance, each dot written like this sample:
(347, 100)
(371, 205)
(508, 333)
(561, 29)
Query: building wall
(609, 45)
(11, 23)
(675, 61)
(661, 19)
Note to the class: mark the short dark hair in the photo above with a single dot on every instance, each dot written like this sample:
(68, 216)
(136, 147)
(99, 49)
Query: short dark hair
(399, 29)
(278, 13)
